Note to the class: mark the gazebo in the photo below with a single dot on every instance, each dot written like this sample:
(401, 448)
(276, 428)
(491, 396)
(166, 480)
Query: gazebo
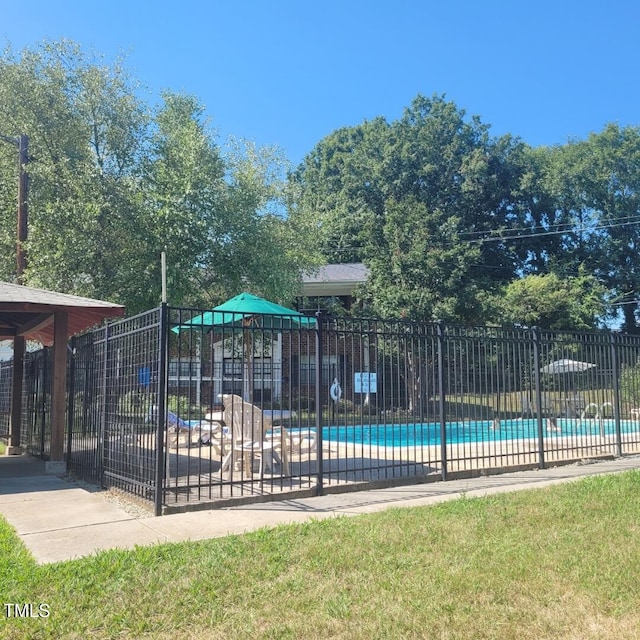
(51, 318)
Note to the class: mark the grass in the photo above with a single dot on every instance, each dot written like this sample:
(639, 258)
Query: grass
(554, 563)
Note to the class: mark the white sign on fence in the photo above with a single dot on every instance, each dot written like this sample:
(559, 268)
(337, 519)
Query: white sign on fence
(365, 382)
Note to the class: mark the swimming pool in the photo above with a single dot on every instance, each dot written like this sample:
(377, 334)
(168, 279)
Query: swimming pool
(426, 434)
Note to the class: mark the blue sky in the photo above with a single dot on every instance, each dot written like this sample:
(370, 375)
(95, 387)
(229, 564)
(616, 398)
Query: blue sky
(289, 73)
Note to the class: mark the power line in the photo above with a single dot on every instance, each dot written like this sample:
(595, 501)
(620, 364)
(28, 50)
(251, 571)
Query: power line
(630, 221)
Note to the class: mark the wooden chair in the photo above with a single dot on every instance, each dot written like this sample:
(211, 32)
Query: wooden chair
(250, 439)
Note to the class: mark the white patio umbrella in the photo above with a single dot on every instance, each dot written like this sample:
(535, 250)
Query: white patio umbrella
(566, 366)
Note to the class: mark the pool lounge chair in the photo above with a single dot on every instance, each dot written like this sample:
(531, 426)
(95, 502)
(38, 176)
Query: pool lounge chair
(298, 442)
(181, 433)
(178, 432)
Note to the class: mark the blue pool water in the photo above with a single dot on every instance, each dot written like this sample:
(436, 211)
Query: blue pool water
(399, 435)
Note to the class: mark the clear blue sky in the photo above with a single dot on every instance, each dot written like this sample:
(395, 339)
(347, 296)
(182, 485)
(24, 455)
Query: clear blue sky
(287, 73)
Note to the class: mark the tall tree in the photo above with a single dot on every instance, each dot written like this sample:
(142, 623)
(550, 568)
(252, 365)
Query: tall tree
(84, 126)
(594, 189)
(613, 168)
(114, 183)
(262, 247)
(340, 188)
(426, 190)
(183, 185)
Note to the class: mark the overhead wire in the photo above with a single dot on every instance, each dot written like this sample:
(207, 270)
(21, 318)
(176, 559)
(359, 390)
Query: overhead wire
(630, 220)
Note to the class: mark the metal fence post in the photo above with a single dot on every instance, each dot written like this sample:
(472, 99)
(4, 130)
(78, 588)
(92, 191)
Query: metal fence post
(535, 332)
(45, 411)
(161, 405)
(616, 390)
(71, 392)
(103, 413)
(441, 402)
(318, 364)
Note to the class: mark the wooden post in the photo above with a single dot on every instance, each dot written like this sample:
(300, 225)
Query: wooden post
(56, 462)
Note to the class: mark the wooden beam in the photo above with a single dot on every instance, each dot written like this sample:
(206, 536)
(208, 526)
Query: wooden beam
(106, 310)
(35, 324)
(7, 332)
(24, 307)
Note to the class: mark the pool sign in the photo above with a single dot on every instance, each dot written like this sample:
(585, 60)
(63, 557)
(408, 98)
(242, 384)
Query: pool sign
(365, 382)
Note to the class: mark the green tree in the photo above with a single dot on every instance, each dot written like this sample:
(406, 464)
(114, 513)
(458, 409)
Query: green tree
(339, 188)
(184, 190)
(613, 170)
(114, 183)
(84, 125)
(593, 189)
(420, 270)
(427, 195)
(549, 301)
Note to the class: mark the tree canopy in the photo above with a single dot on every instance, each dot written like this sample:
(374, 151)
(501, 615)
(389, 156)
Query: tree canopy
(451, 220)
(414, 199)
(115, 181)
(454, 224)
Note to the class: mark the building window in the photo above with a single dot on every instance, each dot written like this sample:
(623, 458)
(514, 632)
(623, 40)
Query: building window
(232, 368)
(308, 370)
(184, 368)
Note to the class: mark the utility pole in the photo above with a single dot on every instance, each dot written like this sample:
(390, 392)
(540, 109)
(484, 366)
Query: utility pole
(23, 188)
(22, 142)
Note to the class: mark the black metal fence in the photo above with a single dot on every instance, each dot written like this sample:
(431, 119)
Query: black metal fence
(113, 384)
(328, 404)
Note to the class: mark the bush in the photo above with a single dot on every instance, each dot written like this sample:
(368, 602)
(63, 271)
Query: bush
(630, 384)
(305, 402)
(180, 405)
(134, 403)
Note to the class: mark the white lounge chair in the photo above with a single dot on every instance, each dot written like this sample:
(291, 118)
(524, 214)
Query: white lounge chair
(186, 434)
(298, 442)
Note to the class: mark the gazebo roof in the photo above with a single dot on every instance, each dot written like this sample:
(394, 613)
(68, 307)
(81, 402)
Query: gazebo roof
(29, 312)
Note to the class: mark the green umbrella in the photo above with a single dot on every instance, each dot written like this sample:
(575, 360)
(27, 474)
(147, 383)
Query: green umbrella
(242, 312)
(248, 310)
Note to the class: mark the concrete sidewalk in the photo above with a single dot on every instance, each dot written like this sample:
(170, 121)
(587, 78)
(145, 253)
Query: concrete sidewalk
(59, 520)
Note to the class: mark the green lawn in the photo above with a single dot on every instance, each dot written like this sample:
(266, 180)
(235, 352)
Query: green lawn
(562, 562)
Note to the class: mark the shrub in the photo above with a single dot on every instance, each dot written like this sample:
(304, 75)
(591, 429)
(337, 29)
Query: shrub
(306, 402)
(180, 405)
(134, 403)
(630, 384)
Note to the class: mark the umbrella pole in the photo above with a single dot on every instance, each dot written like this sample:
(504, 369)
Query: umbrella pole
(250, 345)
(249, 351)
